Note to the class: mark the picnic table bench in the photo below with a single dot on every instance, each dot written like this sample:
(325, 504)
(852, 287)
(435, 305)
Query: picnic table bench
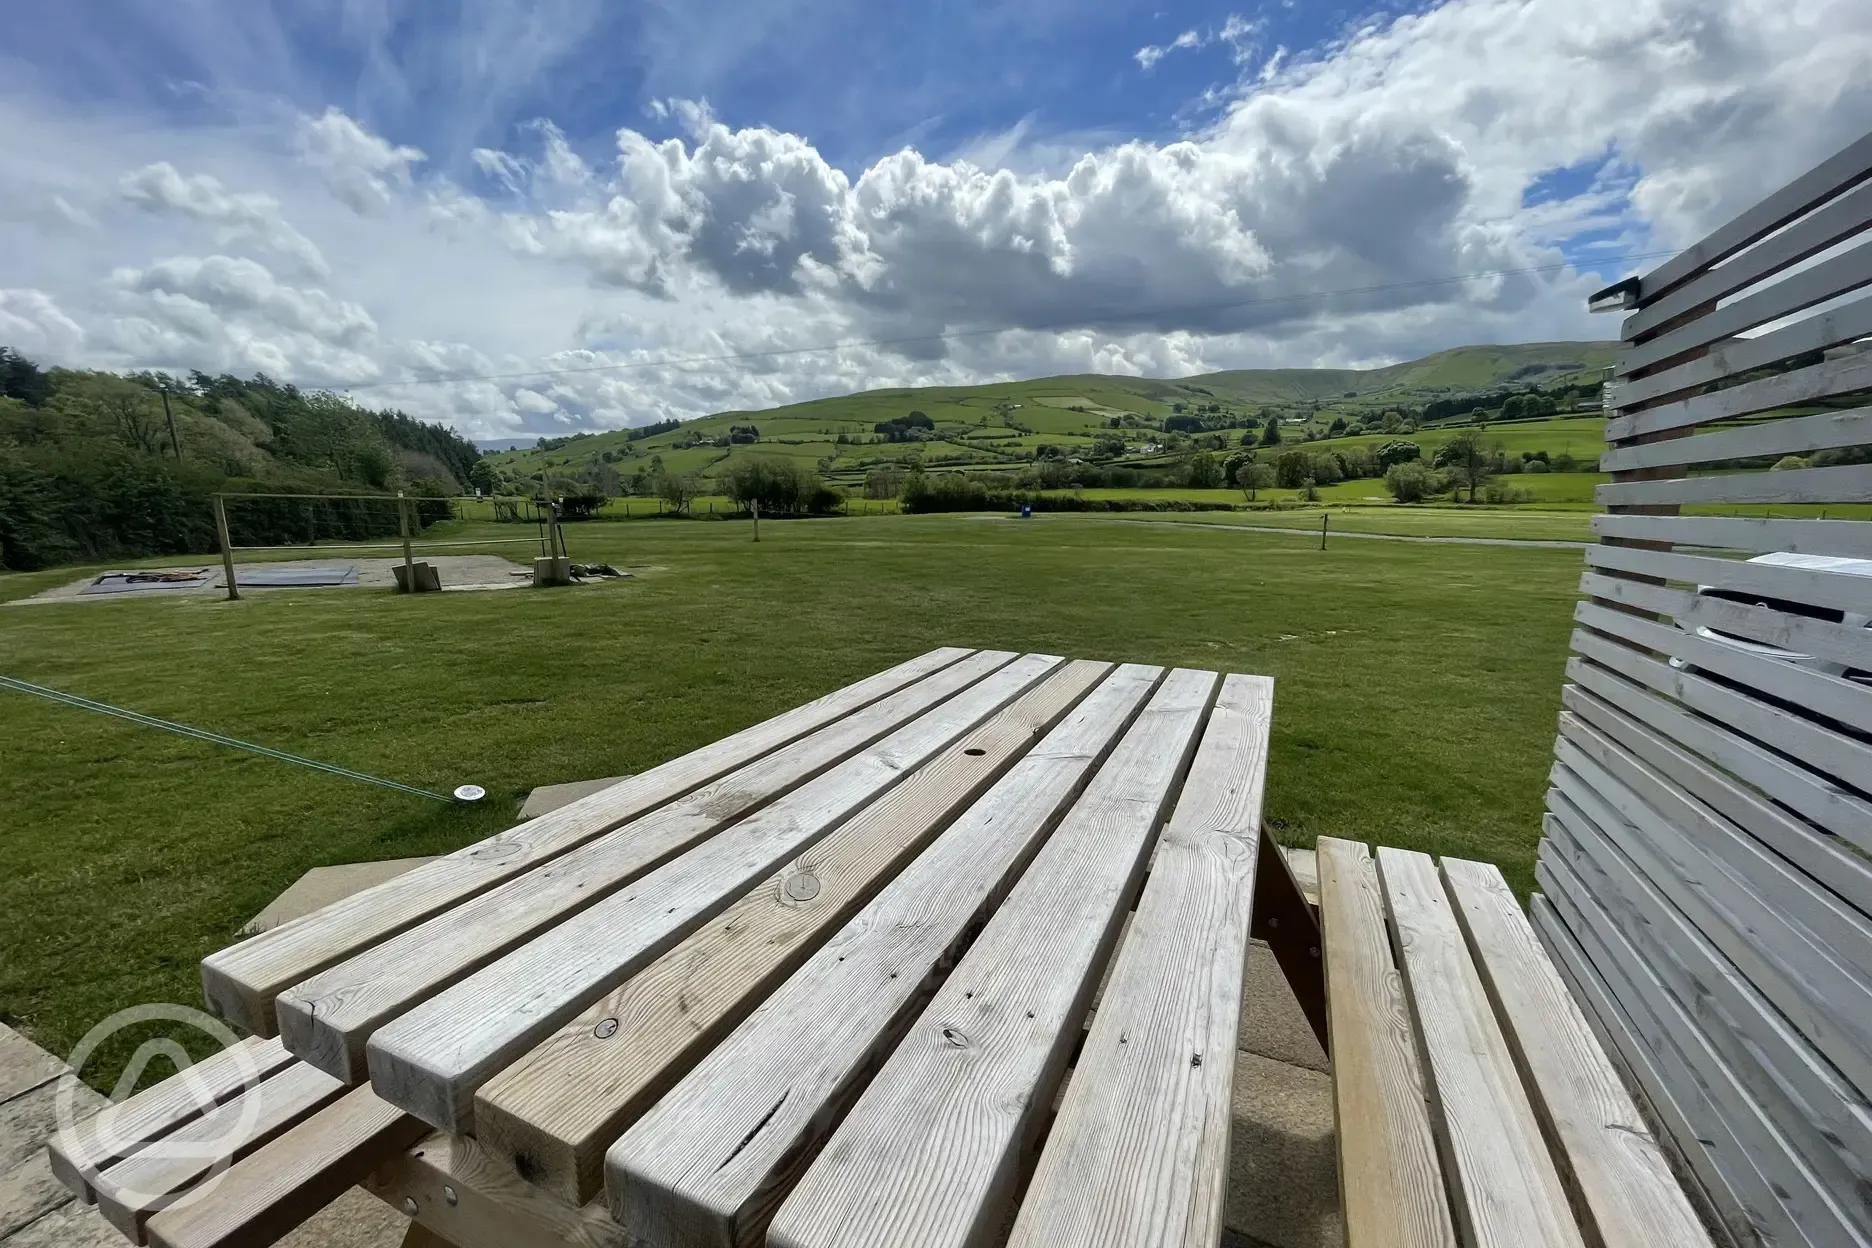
(861, 975)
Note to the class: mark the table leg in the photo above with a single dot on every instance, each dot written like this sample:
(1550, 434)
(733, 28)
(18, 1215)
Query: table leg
(1287, 922)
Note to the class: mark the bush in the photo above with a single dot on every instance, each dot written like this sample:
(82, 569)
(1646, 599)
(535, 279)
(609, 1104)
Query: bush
(781, 487)
(1789, 463)
(1411, 482)
(1399, 452)
(1534, 465)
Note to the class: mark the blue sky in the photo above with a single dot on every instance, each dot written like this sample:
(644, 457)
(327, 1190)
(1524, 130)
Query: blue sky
(711, 205)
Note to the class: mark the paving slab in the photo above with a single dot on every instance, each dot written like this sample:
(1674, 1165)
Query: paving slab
(24, 1065)
(1272, 1024)
(27, 1189)
(321, 886)
(73, 1224)
(356, 1219)
(550, 797)
(1283, 1184)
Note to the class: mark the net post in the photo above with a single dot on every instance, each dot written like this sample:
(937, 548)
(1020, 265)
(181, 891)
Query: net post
(227, 547)
(403, 526)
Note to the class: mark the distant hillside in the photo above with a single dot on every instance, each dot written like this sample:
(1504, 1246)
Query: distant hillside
(1003, 423)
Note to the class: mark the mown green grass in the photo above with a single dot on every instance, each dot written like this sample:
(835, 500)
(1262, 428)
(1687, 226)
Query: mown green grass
(1416, 693)
(1520, 523)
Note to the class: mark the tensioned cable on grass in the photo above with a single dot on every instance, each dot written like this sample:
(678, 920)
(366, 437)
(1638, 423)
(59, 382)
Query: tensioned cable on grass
(150, 721)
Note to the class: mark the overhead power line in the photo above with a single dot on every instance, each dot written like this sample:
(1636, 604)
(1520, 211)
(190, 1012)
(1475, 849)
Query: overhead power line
(1134, 314)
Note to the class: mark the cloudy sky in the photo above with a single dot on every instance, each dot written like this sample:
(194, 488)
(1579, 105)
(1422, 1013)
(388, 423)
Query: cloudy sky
(750, 202)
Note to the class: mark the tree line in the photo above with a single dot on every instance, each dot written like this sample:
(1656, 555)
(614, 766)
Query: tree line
(98, 465)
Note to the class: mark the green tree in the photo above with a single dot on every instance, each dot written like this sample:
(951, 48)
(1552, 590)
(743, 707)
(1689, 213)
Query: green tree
(484, 476)
(1469, 460)
(1410, 482)
(1270, 432)
(1398, 452)
(1292, 468)
(1204, 472)
(1254, 478)
(677, 490)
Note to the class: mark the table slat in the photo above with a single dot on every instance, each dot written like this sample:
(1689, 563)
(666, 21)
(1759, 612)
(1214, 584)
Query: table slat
(433, 1059)
(928, 1155)
(741, 1121)
(1139, 1151)
(243, 980)
(329, 1019)
(1506, 1190)
(553, 1113)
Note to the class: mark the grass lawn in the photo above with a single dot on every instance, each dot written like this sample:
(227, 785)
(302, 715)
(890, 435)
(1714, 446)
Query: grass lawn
(1416, 696)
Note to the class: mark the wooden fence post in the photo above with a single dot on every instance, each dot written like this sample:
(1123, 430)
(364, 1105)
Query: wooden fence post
(227, 548)
(403, 525)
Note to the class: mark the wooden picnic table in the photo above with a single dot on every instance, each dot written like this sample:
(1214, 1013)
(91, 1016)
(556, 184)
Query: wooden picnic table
(862, 975)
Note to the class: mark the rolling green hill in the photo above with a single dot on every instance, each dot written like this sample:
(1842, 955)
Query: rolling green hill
(1001, 423)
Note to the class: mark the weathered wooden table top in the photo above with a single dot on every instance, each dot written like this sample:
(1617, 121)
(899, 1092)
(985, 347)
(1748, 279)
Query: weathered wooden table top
(819, 983)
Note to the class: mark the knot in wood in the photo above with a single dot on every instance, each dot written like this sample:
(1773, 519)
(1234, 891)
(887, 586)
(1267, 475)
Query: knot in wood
(606, 1029)
(803, 886)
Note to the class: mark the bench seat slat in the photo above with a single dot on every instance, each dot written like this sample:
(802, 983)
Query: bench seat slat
(278, 1187)
(1505, 1188)
(1390, 1182)
(1614, 1161)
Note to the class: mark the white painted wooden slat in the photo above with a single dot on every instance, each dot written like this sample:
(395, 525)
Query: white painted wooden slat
(1825, 1121)
(553, 1113)
(1729, 1128)
(1796, 436)
(1739, 355)
(1503, 1184)
(432, 1059)
(1821, 589)
(715, 1157)
(1390, 1178)
(1828, 804)
(1802, 385)
(1838, 173)
(1826, 858)
(1825, 1000)
(1811, 914)
(1832, 753)
(1139, 1150)
(1798, 634)
(1623, 1043)
(1813, 691)
(83, 1149)
(1837, 221)
(1612, 1160)
(242, 980)
(927, 1156)
(1796, 293)
(151, 1179)
(328, 1018)
(1851, 483)
(1849, 538)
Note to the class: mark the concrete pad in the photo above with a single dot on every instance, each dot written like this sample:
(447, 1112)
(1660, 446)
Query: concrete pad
(24, 1065)
(1272, 1024)
(356, 1219)
(28, 1192)
(73, 1224)
(321, 886)
(549, 797)
(1283, 1185)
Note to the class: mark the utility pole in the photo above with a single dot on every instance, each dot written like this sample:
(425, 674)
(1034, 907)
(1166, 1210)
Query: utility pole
(175, 443)
(227, 547)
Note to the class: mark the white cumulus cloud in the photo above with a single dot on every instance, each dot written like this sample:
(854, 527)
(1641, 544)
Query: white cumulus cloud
(362, 169)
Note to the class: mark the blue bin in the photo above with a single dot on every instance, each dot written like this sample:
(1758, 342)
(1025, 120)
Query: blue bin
(1026, 511)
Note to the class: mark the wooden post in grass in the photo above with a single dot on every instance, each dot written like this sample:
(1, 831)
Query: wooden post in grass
(755, 504)
(1324, 517)
(227, 547)
(403, 526)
